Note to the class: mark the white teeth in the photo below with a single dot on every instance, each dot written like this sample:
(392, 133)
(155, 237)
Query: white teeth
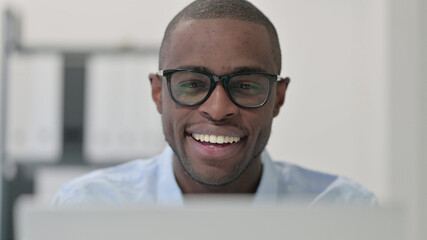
(214, 138)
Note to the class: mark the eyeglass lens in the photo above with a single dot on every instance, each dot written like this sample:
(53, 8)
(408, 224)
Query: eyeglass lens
(246, 90)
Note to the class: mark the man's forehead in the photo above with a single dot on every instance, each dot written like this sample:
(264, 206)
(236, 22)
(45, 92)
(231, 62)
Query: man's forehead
(199, 41)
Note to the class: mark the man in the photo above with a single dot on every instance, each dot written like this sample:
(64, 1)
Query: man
(218, 91)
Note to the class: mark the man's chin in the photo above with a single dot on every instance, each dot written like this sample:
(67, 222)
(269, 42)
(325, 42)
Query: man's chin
(212, 176)
(213, 181)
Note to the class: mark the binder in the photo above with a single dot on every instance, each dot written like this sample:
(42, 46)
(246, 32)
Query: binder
(34, 131)
(121, 121)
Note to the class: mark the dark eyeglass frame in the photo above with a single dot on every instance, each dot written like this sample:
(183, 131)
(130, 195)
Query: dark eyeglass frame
(167, 73)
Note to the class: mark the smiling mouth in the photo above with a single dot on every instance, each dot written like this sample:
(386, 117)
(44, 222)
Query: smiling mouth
(216, 139)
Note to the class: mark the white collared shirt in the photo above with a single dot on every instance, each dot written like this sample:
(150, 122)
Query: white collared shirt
(152, 181)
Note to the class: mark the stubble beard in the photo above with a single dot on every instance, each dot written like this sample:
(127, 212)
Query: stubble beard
(214, 179)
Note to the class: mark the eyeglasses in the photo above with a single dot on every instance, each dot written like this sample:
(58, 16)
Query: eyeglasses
(246, 90)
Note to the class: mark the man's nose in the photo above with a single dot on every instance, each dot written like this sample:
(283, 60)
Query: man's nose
(219, 106)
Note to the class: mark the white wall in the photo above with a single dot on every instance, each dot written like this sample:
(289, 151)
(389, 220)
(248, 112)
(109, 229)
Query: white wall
(335, 116)
(409, 113)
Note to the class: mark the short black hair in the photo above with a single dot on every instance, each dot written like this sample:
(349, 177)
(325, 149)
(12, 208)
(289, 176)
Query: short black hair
(230, 9)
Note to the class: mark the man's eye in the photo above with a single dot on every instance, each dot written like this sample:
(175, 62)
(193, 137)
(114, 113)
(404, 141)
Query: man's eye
(245, 85)
(193, 85)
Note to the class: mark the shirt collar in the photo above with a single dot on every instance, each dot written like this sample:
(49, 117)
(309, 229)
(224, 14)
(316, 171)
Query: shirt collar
(268, 187)
(168, 191)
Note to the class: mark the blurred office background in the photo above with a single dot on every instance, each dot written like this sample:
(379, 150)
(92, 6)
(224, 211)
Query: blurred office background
(78, 94)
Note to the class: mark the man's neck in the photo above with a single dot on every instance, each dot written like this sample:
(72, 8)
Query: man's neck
(246, 183)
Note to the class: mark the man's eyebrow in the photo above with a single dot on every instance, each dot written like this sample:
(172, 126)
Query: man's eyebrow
(235, 70)
(248, 69)
(196, 68)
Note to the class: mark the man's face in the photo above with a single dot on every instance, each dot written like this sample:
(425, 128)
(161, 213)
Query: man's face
(218, 46)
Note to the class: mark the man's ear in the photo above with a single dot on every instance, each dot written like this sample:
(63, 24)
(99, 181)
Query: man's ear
(282, 86)
(156, 90)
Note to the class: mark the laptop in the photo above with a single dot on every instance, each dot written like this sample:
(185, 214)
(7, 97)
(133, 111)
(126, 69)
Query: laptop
(206, 218)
